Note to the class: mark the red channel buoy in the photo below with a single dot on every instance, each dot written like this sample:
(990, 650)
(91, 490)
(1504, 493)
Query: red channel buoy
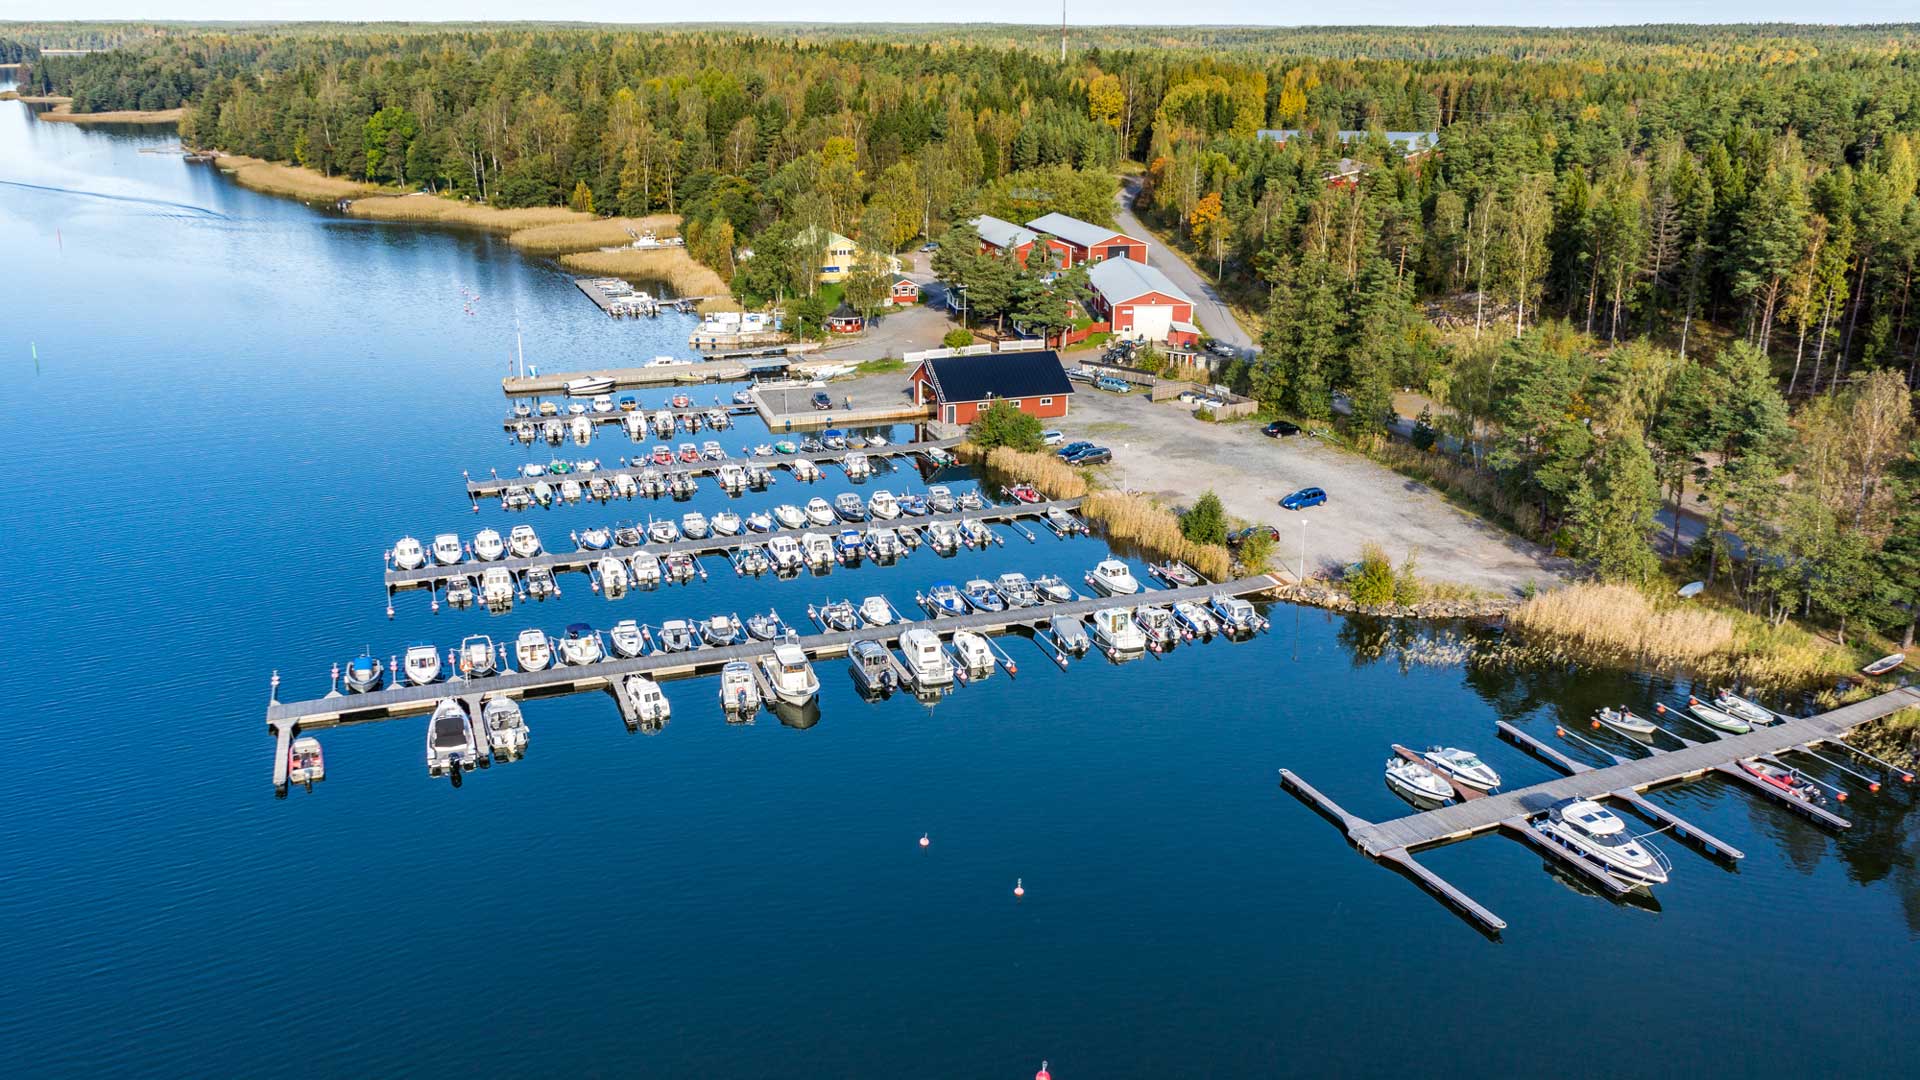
(1019, 888)
(1043, 1074)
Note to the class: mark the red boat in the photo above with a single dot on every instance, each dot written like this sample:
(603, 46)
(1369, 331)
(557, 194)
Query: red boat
(304, 761)
(689, 453)
(682, 401)
(662, 456)
(1023, 492)
(1779, 776)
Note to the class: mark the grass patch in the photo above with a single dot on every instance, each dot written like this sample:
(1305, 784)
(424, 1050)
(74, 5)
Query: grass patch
(447, 211)
(1140, 520)
(289, 180)
(64, 114)
(670, 265)
(881, 366)
(560, 238)
(1047, 473)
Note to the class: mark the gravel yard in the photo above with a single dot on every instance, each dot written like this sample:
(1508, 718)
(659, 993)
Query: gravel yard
(1162, 450)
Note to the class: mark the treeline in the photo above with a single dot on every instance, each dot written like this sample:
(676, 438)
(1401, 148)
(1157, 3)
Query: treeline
(111, 81)
(14, 52)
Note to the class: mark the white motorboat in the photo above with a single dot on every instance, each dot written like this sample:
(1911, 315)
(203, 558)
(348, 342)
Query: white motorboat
(1016, 590)
(789, 516)
(588, 386)
(759, 521)
(981, 595)
(1053, 590)
(945, 598)
(722, 630)
(487, 545)
(364, 674)
(532, 651)
(496, 588)
(506, 728)
(450, 742)
(680, 567)
(1752, 712)
(626, 638)
(820, 511)
(477, 656)
(1416, 783)
(943, 537)
(974, 652)
(1237, 615)
(926, 659)
(1157, 623)
(447, 550)
(1625, 722)
(805, 470)
(1115, 631)
(849, 507)
(581, 429)
(1112, 578)
(856, 466)
(625, 485)
(581, 646)
(636, 425)
(739, 690)
(940, 499)
(305, 763)
(603, 403)
(1592, 833)
(421, 664)
(678, 635)
(525, 431)
(595, 538)
(540, 583)
(663, 531)
(871, 666)
(883, 506)
(1462, 767)
(408, 554)
(732, 478)
(971, 499)
(791, 675)
(613, 577)
(459, 590)
(570, 490)
(726, 523)
(785, 553)
(883, 544)
(694, 526)
(875, 611)
(1071, 635)
(523, 542)
(817, 548)
(645, 569)
(650, 706)
(1195, 620)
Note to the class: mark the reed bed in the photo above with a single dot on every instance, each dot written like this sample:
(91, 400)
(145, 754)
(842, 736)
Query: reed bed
(1048, 474)
(447, 211)
(64, 114)
(1139, 520)
(564, 237)
(670, 265)
(289, 180)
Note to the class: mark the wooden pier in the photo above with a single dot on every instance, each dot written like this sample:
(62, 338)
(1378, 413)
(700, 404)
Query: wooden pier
(284, 720)
(620, 417)
(433, 575)
(725, 367)
(495, 486)
(1394, 841)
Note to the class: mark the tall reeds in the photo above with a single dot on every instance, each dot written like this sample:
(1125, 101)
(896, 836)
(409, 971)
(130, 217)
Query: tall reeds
(1047, 473)
(289, 180)
(1139, 520)
(672, 265)
(588, 234)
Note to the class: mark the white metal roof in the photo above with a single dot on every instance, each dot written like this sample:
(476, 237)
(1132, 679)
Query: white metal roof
(1123, 279)
(1000, 233)
(1072, 229)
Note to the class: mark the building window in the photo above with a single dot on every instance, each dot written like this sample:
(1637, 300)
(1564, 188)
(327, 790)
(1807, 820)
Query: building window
(1045, 401)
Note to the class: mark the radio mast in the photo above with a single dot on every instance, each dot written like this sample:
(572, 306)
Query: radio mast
(1063, 31)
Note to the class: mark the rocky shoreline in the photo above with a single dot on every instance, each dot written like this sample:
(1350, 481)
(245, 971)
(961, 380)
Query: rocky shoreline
(1320, 595)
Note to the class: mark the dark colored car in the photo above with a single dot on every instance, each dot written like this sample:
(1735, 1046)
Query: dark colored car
(1093, 455)
(1303, 498)
(1073, 448)
(1239, 536)
(822, 401)
(1280, 429)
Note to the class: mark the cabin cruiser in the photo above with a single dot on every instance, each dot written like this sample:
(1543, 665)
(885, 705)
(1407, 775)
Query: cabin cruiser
(971, 499)
(883, 545)
(1195, 620)
(1718, 719)
(732, 478)
(1734, 705)
(752, 559)
(636, 425)
(848, 506)
(875, 611)
(581, 429)
(848, 546)
(597, 538)
(680, 567)
(759, 521)
(487, 545)
(1016, 590)
(421, 664)
(1787, 781)
(739, 690)
(722, 630)
(1053, 590)
(364, 674)
(791, 675)
(981, 595)
(856, 466)
(570, 490)
(819, 511)
(837, 616)
(645, 569)
(1417, 784)
(943, 537)
(883, 506)
(682, 485)
(626, 535)
(1592, 833)
(477, 656)
(663, 531)
(974, 653)
(940, 499)
(496, 588)
(625, 485)
(768, 627)
(694, 526)
(1462, 767)
(872, 667)
(305, 763)
(459, 591)
(1115, 631)
(785, 553)
(627, 640)
(1237, 615)
(1625, 722)
(789, 516)
(1071, 635)
(532, 651)
(408, 554)
(726, 523)
(450, 743)
(447, 550)
(945, 598)
(540, 583)
(650, 707)
(818, 549)
(926, 659)
(1112, 578)
(1157, 623)
(506, 728)
(613, 577)
(581, 645)
(677, 635)
(589, 386)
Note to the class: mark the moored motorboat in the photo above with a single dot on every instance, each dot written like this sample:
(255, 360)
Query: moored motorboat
(497, 588)
(739, 690)
(1115, 631)
(722, 630)
(883, 544)
(819, 511)
(364, 674)
(975, 655)
(644, 566)
(790, 516)
(1071, 635)
(487, 545)
(1016, 590)
(1237, 615)
(588, 386)
(726, 523)
(1462, 767)
(595, 538)
(678, 635)
(1787, 781)
(450, 742)
(1417, 783)
(837, 616)
(818, 549)
(540, 583)
(1157, 623)
(581, 645)
(875, 611)
(1175, 573)
(940, 499)
(872, 667)
(421, 664)
(759, 521)
(1053, 590)
(459, 590)
(945, 598)
(1111, 577)
(408, 554)
(305, 763)
(980, 593)
(1624, 721)
(1025, 493)
(663, 531)
(943, 537)
(679, 567)
(971, 499)
(883, 506)
(694, 525)
(1751, 711)
(1715, 718)
(926, 658)
(523, 542)
(447, 550)
(1195, 620)
(785, 553)
(1593, 834)
(477, 656)
(506, 728)
(532, 651)
(627, 639)
(848, 546)
(791, 676)
(850, 507)
(766, 627)
(651, 709)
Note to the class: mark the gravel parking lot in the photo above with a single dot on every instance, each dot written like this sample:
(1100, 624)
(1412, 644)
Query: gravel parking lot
(1162, 450)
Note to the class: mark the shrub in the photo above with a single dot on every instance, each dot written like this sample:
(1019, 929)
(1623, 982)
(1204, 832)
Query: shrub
(1004, 425)
(957, 338)
(1206, 522)
(1423, 434)
(1372, 585)
(1407, 590)
(1256, 551)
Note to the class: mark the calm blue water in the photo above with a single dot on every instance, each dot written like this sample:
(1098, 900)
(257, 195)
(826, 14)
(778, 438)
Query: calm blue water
(240, 402)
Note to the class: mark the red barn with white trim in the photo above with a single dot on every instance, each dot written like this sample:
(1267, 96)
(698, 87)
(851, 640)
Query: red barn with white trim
(1141, 303)
(1087, 242)
(959, 388)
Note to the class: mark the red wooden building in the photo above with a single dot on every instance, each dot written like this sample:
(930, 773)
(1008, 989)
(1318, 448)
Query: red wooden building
(1141, 303)
(1002, 237)
(905, 293)
(1087, 242)
(959, 388)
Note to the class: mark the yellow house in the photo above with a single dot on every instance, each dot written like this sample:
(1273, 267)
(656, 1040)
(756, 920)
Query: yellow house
(838, 255)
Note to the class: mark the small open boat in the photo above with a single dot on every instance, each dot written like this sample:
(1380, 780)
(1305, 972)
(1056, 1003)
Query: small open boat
(305, 763)
(1785, 780)
(1025, 493)
(739, 691)
(1751, 711)
(1416, 783)
(1715, 718)
(838, 615)
(945, 598)
(1885, 664)
(1625, 722)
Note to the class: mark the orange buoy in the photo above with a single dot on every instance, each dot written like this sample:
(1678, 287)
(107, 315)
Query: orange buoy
(1019, 887)
(1596, 725)
(924, 842)
(1043, 1074)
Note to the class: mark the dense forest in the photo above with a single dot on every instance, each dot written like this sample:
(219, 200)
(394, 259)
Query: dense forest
(1645, 265)
(14, 52)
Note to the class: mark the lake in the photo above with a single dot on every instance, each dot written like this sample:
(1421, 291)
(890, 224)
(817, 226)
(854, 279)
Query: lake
(240, 402)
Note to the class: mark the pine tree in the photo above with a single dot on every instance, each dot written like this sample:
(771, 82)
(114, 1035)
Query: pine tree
(1611, 511)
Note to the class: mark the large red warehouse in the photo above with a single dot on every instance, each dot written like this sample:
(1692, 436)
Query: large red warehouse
(960, 387)
(1141, 303)
(1002, 237)
(1089, 243)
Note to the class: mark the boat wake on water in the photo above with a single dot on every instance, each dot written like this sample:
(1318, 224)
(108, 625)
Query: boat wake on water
(188, 209)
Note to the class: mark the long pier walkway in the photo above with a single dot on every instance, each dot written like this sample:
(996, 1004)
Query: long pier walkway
(494, 486)
(618, 416)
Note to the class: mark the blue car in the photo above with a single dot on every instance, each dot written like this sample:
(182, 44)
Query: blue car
(1303, 498)
(1073, 448)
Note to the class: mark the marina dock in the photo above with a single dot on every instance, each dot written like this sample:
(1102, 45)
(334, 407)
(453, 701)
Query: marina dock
(433, 576)
(1394, 841)
(495, 486)
(722, 367)
(619, 417)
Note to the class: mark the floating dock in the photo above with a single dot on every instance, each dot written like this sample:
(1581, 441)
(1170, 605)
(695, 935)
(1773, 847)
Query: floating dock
(727, 367)
(1394, 841)
(433, 576)
(495, 486)
(620, 417)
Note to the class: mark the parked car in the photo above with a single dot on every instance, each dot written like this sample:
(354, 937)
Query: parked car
(822, 400)
(931, 245)
(1280, 429)
(1080, 373)
(1073, 448)
(1303, 498)
(1239, 536)
(1112, 385)
(1052, 438)
(1092, 455)
(1221, 348)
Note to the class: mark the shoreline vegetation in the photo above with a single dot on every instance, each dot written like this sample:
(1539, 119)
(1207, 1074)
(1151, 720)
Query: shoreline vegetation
(62, 111)
(1895, 737)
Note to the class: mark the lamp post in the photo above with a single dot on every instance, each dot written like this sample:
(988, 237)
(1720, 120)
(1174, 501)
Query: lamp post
(1303, 549)
(962, 289)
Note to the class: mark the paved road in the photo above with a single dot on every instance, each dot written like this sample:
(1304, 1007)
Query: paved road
(1212, 314)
